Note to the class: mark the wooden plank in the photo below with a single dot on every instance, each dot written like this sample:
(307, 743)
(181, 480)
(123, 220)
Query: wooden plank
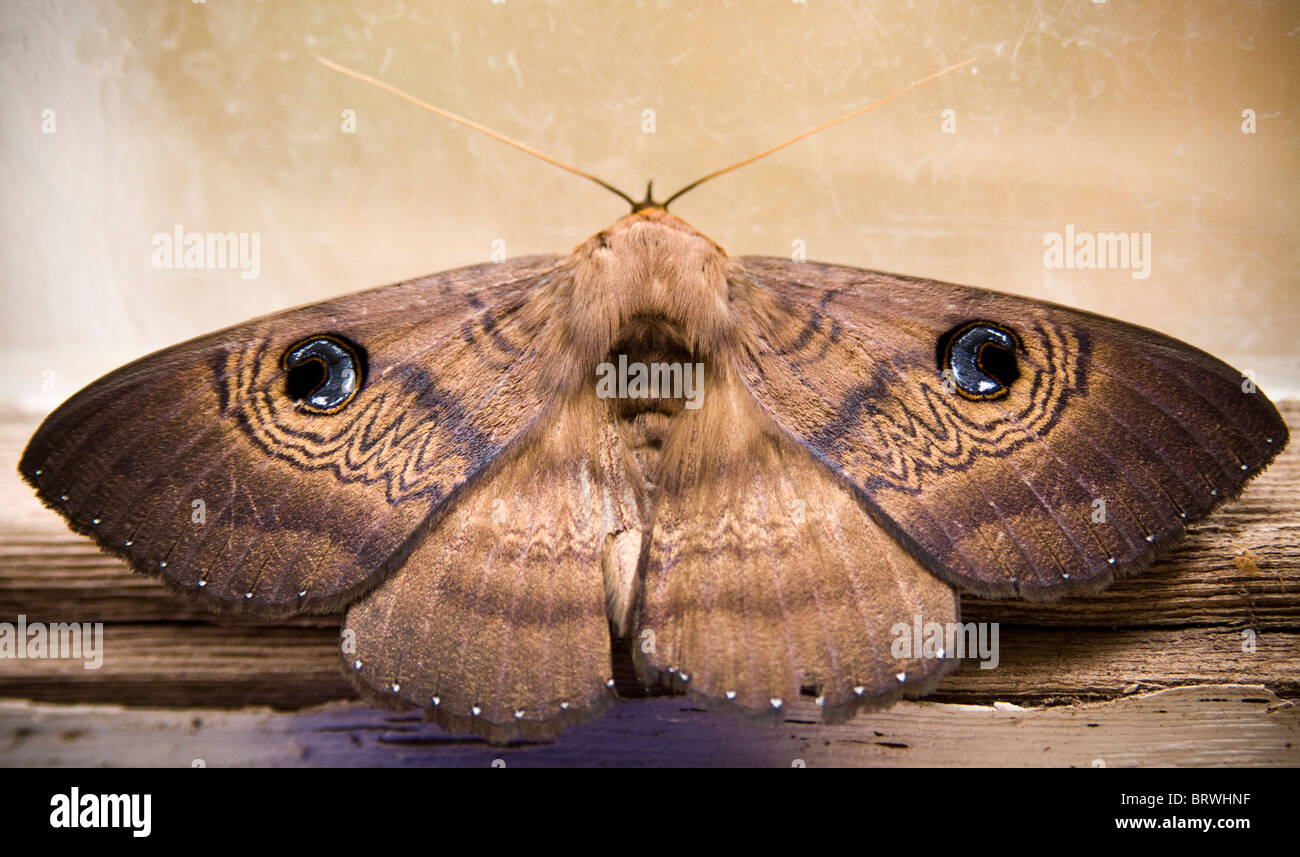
(199, 665)
(1225, 725)
(1180, 625)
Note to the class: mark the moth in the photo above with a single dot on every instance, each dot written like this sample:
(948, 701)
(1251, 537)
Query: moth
(443, 458)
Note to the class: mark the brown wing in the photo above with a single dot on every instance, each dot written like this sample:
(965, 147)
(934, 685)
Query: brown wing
(1111, 440)
(201, 463)
(496, 623)
(765, 576)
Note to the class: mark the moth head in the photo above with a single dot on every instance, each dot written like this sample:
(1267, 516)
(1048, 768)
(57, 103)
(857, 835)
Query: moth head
(979, 359)
(323, 373)
(649, 201)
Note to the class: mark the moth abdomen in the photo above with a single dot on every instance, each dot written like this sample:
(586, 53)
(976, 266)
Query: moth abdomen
(650, 377)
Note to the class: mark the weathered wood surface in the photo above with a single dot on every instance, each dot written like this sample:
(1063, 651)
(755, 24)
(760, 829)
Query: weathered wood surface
(1206, 725)
(1180, 624)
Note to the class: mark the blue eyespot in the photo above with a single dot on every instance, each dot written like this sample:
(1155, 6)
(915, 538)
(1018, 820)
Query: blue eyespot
(323, 373)
(979, 358)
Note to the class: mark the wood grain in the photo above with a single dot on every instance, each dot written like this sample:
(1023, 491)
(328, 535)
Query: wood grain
(1192, 726)
(1180, 625)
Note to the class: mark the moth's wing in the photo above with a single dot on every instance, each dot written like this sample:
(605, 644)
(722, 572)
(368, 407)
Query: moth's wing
(1112, 440)
(765, 577)
(496, 623)
(197, 463)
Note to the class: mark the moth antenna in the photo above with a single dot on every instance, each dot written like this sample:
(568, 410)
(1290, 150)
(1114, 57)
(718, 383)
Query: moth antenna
(846, 117)
(470, 123)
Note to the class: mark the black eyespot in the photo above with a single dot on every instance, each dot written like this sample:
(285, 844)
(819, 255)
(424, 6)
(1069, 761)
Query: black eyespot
(979, 358)
(323, 373)
(303, 379)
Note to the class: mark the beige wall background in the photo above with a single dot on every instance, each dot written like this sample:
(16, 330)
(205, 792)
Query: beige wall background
(1107, 115)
